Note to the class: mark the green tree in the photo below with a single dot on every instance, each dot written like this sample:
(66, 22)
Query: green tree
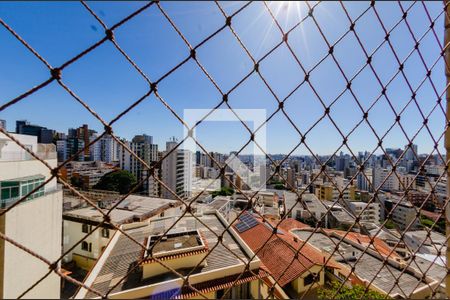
(224, 191)
(76, 182)
(389, 224)
(119, 181)
(279, 186)
(439, 226)
(346, 293)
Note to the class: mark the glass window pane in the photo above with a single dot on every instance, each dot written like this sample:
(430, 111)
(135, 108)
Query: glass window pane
(5, 194)
(10, 183)
(24, 190)
(14, 192)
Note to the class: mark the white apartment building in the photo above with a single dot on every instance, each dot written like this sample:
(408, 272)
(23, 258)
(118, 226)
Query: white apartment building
(403, 213)
(407, 181)
(94, 149)
(35, 223)
(380, 174)
(61, 149)
(109, 149)
(440, 189)
(368, 212)
(177, 172)
(395, 181)
(435, 169)
(365, 180)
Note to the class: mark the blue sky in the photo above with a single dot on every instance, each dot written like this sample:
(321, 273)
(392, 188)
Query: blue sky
(109, 84)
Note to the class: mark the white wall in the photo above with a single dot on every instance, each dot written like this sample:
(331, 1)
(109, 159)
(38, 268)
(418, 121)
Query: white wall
(37, 225)
(12, 170)
(73, 233)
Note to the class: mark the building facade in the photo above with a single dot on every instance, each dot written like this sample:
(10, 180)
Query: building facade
(177, 169)
(35, 223)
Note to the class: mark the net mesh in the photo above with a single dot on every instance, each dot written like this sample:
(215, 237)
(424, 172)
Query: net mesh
(381, 45)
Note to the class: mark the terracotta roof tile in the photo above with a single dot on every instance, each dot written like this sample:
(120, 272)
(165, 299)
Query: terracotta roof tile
(277, 252)
(289, 224)
(362, 239)
(186, 292)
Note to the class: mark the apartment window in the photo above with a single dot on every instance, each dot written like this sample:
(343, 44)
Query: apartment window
(219, 294)
(311, 278)
(84, 246)
(85, 228)
(105, 232)
(9, 190)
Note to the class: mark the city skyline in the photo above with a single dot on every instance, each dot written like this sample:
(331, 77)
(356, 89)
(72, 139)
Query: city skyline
(162, 145)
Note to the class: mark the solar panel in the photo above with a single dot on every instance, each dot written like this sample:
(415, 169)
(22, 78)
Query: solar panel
(247, 222)
(252, 223)
(241, 227)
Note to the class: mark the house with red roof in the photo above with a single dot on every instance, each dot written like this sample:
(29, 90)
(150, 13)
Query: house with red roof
(295, 266)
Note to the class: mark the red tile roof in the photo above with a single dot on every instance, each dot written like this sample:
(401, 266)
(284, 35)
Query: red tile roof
(289, 224)
(363, 239)
(431, 215)
(277, 252)
(186, 292)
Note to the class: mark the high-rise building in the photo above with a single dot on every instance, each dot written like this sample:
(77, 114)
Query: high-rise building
(385, 180)
(364, 180)
(177, 169)
(291, 180)
(94, 148)
(3, 124)
(342, 162)
(84, 134)
(73, 145)
(62, 150)
(411, 152)
(44, 135)
(34, 223)
(142, 146)
(109, 149)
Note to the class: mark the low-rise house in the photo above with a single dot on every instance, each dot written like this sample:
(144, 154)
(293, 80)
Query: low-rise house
(294, 265)
(370, 265)
(80, 223)
(188, 246)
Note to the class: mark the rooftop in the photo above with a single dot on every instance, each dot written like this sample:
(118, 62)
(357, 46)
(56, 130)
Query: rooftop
(431, 237)
(277, 251)
(177, 241)
(133, 208)
(369, 267)
(122, 253)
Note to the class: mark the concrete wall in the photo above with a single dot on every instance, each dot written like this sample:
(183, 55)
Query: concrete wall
(37, 225)
(73, 233)
(155, 268)
(300, 287)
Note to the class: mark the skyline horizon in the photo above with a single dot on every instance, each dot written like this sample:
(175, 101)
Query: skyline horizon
(397, 147)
